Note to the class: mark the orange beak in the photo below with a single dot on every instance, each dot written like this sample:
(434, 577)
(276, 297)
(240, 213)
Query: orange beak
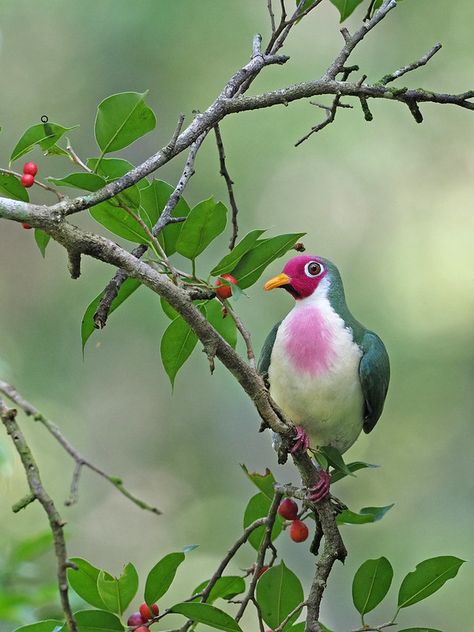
(278, 281)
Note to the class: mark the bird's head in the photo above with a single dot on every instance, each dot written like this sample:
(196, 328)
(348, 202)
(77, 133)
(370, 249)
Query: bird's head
(301, 276)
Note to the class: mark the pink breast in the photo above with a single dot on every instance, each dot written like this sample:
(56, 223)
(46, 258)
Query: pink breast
(309, 341)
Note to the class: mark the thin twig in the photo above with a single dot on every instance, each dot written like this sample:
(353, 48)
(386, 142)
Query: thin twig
(272, 15)
(288, 618)
(75, 158)
(244, 332)
(42, 185)
(266, 541)
(413, 66)
(229, 182)
(31, 411)
(8, 416)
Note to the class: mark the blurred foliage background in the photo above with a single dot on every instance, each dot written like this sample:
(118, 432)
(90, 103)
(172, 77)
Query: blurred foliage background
(389, 201)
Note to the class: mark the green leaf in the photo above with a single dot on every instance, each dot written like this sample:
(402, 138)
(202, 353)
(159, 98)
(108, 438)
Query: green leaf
(226, 587)
(31, 548)
(49, 625)
(258, 507)
(12, 188)
(224, 326)
(122, 119)
(265, 482)
(210, 615)
(366, 515)
(45, 135)
(371, 583)
(42, 240)
(279, 591)
(96, 621)
(87, 326)
(335, 459)
(84, 581)
(153, 199)
(119, 222)
(337, 475)
(161, 577)
(346, 7)
(228, 263)
(177, 344)
(117, 593)
(204, 223)
(86, 181)
(427, 578)
(253, 263)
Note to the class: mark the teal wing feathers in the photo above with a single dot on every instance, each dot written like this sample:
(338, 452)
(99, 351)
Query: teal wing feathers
(266, 353)
(374, 373)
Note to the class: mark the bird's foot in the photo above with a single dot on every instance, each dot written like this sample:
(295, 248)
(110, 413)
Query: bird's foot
(301, 441)
(319, 491)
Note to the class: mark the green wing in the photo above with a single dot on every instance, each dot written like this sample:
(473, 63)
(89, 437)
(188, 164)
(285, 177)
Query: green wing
(266, 354)
(374, 373)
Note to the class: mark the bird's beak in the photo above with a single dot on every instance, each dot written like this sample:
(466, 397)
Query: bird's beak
(278, 281)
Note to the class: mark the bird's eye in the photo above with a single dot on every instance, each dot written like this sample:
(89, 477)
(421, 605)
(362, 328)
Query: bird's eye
(313, 269)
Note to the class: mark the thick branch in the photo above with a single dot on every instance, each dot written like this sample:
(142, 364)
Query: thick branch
(8, 416)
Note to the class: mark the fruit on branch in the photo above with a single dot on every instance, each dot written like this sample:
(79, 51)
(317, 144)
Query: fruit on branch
(288, 509)
(298, 531)
(326, 371)
(262, 570)
(27, 180)
(225, 291)
(26, 226)
(142, 628)
(135, 619)
(30, 168)
(148, 613)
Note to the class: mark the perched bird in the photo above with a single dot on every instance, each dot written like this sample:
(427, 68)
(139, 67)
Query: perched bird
(326, 371)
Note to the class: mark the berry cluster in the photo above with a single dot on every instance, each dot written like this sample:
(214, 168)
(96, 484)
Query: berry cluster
(288, 509)
(30, 169)
(225, 291)
(140, 621)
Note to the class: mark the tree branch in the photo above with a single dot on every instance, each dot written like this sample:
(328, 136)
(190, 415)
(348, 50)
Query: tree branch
(229, 183)
(31, 411)
(8, 417)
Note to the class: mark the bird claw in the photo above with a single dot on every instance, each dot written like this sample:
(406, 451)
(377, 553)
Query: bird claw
(301, 441)
(319, 491)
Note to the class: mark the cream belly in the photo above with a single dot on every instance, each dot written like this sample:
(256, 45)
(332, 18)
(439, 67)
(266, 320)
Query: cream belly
(316, 381)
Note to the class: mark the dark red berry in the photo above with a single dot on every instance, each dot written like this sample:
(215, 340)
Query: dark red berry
(262, 570)
(142, 628)
(288, 509)
(225, 291)
(30, 168)
(26, 226)
(147, 612)
(27, 180)
(298, 531)
(135, 619)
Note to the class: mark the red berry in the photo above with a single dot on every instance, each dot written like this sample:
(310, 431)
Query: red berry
(225, 291)
(298, 531)
(135, 619)
(262, 570)
(31, 168)
(142, 628)
(27, 180)
(26, 226)
(148, 613)
(288, 509)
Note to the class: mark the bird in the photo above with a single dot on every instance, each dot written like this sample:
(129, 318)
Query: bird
(327, 372)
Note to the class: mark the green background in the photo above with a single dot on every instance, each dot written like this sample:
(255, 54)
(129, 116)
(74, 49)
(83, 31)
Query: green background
(390, 202)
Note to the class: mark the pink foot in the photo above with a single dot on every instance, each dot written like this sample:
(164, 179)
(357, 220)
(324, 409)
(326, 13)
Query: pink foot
(301, 441)
(321, 489)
